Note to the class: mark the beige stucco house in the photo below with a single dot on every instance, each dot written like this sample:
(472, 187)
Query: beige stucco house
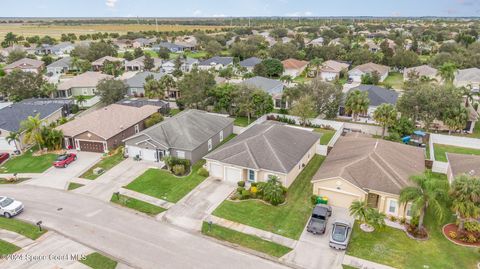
(83, 84)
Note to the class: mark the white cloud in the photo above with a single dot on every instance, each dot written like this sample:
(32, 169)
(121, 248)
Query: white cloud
(197, 12)
(299, 14)
(111, 3)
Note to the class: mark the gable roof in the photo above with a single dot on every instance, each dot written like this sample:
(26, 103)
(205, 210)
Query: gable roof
(333, 66)
(87, 79)
(64, 62)
(464, 164)
(422, 71)
(217, 60)
(24, 63)
(108, 121)
(186, 130)
(370, 67)
(250, 62)
(138, 80)
(107, 58)
(374, 164)
(378, 95)
(139, 102)
(141, 61)
(267, 146)
(269, 85)
(294, 63)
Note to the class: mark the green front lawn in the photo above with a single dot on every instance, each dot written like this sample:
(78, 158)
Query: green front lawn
(7, 248)
(441, 150)
(288, 219)
(136, 204)
(197, 54)
(242, 121)
(98, 261)
(106, 163)
(245, 240)
(73, 185)
(164, 185)
(392, 247)
(20, 227)
(26, 163)
(394, 79)
(327, 135)
(174, 111)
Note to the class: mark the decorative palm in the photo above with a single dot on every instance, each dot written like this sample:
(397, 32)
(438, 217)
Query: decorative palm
(13, 137)
(167, 82)
(286, 79)
(154, 89)
(429, 192)
(32, 127)
(465, 194)
(447, 72)
(357, 102)
(316, 62)
(273, 191)
(367, 215)
(81, 99)
(386, 115)
(455, 118)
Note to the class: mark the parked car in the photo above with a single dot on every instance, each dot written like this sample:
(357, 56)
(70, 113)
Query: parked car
(9, 207)
(4, 157)
(341, 233)
(64, 160)
(318, 220)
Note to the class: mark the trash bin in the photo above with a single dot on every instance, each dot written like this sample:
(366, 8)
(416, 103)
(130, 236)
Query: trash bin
(322, 200)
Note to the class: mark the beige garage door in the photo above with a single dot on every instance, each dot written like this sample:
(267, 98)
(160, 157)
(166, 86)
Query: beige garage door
(338, 199)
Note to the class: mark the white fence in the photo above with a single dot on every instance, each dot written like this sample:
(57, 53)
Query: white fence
(457, 141)
(90, 102)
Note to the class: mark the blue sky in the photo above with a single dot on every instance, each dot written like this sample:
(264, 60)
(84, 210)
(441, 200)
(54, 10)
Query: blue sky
(220, 8)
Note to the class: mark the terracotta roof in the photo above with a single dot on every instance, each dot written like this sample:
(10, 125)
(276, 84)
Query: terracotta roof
(108, 121)
(464, 164)
(294, 64)
(87, 79)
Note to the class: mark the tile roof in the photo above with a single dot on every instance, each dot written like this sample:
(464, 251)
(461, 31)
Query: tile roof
(218, 60)
(333, 66)
(24, 63)
(370, 67)
(468, 75)
(250, 62)
(87, 79)
(294, 64)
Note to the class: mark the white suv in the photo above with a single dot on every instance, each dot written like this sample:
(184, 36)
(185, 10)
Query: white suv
(9, 207)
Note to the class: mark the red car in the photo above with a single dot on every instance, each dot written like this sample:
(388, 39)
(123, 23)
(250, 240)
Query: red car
(4, 157)
(64, 160)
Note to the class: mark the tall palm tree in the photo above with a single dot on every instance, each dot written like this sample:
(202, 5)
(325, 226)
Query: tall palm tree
(49, 89)
(167, 82)
(465, 194)
(75, 64)
(455, 118)
(13, 137)
(80, 99)
(428, 192)
(316, 62)
(357, 102)
(386, 115)
(286, 79)
(153, 89)
(447, 72)
(32, 127)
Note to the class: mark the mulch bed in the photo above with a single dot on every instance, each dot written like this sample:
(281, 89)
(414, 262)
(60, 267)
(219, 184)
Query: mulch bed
(453, 227)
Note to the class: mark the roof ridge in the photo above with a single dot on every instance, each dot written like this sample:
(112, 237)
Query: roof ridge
(274, 152)
(251, 155)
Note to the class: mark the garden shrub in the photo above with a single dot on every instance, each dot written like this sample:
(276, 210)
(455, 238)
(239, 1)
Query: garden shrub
(313, 199)
(452, 234)
(240, 189)
(203, 172)
(241, 183)
(178, 170)
(253, 189)
(245, 194)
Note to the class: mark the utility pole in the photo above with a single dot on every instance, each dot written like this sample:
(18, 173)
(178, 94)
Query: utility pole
(156, 24)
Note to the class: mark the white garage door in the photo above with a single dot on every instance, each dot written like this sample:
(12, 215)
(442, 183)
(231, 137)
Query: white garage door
(338, 199)
(216, 170)
(149, 155)
(4, 146)
(233, 174)
(133, 151)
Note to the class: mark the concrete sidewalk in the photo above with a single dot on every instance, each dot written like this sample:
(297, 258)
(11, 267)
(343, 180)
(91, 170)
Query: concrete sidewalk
(361, 263)
(146, 198)
(14, 238)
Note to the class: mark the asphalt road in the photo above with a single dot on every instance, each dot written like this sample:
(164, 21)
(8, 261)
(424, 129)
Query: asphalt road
(134, 239)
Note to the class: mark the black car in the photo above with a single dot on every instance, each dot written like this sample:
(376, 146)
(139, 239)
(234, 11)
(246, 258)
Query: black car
(318, 220)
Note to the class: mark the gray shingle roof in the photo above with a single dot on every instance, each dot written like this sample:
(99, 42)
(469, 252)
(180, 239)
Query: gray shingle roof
(218, 60)
(250, 62)
(267, 146)
(138, 80)
(11, 116)
(378, 95)
(186, 130)
(139, 102)
(464, 164)
(64, 62)
(271, 86)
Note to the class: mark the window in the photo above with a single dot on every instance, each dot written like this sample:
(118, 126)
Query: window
(85, 91)
(180, 154)
(392, 206)
(251, 175)
(209, 144)
(409, 210)
(221, 135)
(137, 128)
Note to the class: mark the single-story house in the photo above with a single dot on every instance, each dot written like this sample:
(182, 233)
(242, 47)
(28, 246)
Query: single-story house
(421, 71)
(98, 64)
(459, 164)
(50, 110)
(368, 169)
(468, 78)
(330, 70)
(135, 84)
(175, 48)
(60, 66)
(372, 46)
(25, 65)
(263, 150)
(83, 84)
(163, 106)
(294, 67)
(216, 63)
(317, 42)
(60, 49)
(250, 63)
(142, 42)
(122, 44)
(139, 64)
(356, 73)
(377, 96)
(188, 135)
(105, 129)
(272, 86)
(187, 65)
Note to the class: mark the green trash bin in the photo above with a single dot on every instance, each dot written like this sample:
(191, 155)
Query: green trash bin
(322, 200)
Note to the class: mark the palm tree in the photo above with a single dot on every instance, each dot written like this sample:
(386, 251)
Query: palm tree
(154, 89)
(367, 215)
(357, 102)
(455, 118)
(316, 62)
(49, 89)
(386, 115)
(167, 82)
(429, 192)
(465, 194)
(13, 137)
(32, 127)
(447, 72)
(286, 79)
(273, 191)
(75, 64)
(80, 99)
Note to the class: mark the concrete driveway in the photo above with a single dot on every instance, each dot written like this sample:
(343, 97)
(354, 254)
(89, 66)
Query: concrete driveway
(190, 212)
(58, 178)
(312, 251)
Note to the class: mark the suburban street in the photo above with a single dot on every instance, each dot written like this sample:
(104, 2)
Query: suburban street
(130, 238)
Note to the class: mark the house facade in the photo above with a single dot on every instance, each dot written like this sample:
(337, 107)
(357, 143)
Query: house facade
(216, 63)
(136, 83)
(25, 65)
(294, 67)
(330, 70)
(83, 84)
(356, 73)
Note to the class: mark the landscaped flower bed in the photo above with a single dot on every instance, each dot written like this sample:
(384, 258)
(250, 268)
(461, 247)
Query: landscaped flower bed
(271, 192)
(465, 238)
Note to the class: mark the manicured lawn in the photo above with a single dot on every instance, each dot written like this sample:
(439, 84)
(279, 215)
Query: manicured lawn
(242, 121)
(26, 163)
(7, 248)
(174, 111)
(73, 185)
(395, 80)
(164, 185)
(441, 150)
(348, 267)
(20, 227)
(245, 240)
(327, 135)
(98, 261)
(288, 219)
(392, 247)
(136, 204)
(106, 163)
(197, 54)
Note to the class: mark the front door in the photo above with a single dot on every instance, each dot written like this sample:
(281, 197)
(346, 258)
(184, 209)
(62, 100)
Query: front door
(372, 200)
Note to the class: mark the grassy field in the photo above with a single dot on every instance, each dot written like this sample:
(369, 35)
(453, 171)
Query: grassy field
(26, 229)
(245, 240)
(82, 29)
(73, 185)
(136, 204)
(164, 185)
(327, 135)
(98, 261)
(7, 248)
(288, 219)
(106, 163)
(26, 163)
(395, 80)
(441, 150)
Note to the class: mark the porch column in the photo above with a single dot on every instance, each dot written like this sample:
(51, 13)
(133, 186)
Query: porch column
(381, 205)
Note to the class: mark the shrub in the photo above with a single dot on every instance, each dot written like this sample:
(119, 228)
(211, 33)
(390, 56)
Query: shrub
(240, 190)
(245, 195)
(313, 199)
(254, 184)
(241, 183)
(153, 119)
(235, 196)
(472, 226)
(253, 189)
(452, 234)
(178, 169)
(203, 172)
(392, 218)
(470, 238)
(273, 191)
(403, 220)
